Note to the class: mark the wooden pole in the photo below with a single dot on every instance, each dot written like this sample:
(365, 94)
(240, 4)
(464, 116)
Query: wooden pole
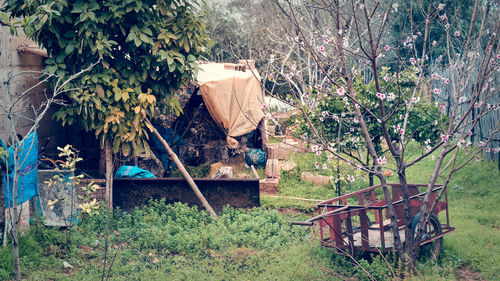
(183, 171)
(109, 174)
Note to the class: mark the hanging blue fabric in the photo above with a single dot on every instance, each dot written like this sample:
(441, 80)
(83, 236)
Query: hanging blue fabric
(27, 186)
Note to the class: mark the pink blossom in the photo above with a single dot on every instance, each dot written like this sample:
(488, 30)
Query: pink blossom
(478, 159)
(325, 41)
(390, 96)
(481, 143)
(457, 33)
(341, 91)
(433, 157)
(444, 138)
(271, 76)
(263, 106)
(381, 160)
(321, 49)
(330, 157)
(440, 7)
(443, 17)
(381, 96)
(434, 43)
(358, 167)
(447, 81)
(316, 165)
(387, 48)
(351, 178)
(487, 150)
(439, 59)
(419, 33)
(324, 113)
(318, 152)
(437, 91)
(386, 78)
(428, 148)
(401, 131)
(469, 133)
(412, 61)
(324, 166)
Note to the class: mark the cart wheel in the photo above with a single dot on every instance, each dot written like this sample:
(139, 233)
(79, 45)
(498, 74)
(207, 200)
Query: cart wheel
(432, 229)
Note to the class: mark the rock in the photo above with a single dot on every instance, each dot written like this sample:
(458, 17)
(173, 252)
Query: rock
(288, 166)
(225, 172)
(388, 173)
(269, 186)
(278, 151)
(242, 176)
(67, 265)
(315, 179)
(272, 168)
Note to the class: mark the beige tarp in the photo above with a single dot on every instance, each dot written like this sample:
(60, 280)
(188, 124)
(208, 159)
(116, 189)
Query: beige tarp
(233, 98)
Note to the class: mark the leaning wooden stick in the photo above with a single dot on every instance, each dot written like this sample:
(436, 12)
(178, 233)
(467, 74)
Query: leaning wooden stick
(183, 170)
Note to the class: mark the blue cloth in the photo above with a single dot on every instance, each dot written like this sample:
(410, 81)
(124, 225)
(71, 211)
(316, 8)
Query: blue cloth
(133, 172)
(255, 157)
(28, 178)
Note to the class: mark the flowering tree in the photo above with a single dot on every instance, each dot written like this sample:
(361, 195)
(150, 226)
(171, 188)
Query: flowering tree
(377, 82)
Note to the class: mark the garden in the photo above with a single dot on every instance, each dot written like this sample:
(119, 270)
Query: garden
(327, 98)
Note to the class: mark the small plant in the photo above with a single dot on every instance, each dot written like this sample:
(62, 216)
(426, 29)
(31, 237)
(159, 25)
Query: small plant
(69, 181)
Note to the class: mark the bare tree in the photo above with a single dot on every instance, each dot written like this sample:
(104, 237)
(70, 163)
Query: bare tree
(350, 43)
(19, 107)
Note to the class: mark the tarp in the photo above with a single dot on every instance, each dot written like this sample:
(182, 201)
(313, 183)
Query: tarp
(133, 172)
(233, 98)
(28, 178)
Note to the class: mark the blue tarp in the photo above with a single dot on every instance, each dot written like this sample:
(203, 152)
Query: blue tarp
(133, 172)
(28, 179)
(256, 157)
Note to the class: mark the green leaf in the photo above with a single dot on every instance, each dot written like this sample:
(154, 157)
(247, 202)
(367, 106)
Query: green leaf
(69, 48)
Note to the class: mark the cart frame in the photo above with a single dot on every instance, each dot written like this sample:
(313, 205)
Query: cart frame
(336, 217)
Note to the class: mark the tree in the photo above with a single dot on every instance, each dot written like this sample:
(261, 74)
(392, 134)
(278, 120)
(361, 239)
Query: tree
(147, 50)
(15, 107)
(350, 42)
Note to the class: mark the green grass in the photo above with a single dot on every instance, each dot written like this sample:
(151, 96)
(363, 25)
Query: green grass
(474, 206)
(176, 242)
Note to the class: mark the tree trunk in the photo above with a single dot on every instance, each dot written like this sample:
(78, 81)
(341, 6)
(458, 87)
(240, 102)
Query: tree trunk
(14, 220)
(109, 174)
(184, 172)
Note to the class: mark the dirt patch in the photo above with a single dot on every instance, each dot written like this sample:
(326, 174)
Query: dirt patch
(464, 273)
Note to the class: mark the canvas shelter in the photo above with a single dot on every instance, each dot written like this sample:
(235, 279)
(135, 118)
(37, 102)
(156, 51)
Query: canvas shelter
(233, 98)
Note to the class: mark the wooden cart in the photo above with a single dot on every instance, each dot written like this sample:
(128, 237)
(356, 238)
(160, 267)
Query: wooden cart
(360, 220)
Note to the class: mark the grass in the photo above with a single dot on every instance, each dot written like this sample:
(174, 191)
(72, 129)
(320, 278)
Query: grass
(474, 198)
(176, 242)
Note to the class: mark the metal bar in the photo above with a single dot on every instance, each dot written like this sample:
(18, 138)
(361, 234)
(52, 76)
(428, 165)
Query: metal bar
(327, 214)
(451, 229)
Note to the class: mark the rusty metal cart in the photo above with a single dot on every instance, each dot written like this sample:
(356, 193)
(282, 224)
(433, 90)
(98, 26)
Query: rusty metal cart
(359, 220)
